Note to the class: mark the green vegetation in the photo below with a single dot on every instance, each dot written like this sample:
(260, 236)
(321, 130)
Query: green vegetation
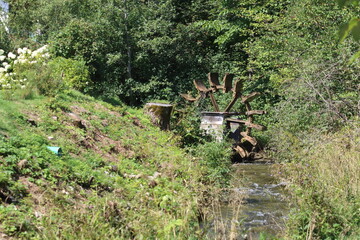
(302, 55)
(326, 187)
(118, 177)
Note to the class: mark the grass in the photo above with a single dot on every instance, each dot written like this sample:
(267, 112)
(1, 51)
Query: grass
(119, 177)
(326, 185)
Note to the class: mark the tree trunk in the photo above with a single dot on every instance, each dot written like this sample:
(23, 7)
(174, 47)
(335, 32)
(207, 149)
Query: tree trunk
(160, 114)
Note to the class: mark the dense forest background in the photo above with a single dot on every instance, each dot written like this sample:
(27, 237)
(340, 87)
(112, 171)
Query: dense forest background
(141, 50)
(297, 53)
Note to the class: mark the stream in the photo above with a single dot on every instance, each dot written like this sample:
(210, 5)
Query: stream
(263, 210)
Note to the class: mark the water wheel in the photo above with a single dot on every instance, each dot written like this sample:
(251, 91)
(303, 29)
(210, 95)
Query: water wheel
(246, 146)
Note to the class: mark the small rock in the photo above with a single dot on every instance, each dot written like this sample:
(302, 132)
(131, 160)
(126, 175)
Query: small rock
(50, 138)
(55, 118)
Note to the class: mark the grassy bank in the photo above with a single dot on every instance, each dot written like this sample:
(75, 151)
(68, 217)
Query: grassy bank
(325, 182)
(118, 177)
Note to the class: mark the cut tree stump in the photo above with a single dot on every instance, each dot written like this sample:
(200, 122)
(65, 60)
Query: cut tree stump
(160, 114)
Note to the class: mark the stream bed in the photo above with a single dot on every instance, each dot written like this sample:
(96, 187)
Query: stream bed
(262, 208)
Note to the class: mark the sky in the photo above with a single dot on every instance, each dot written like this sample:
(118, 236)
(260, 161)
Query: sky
(4, 5)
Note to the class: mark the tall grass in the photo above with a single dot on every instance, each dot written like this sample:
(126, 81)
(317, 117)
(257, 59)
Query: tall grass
(327, 187)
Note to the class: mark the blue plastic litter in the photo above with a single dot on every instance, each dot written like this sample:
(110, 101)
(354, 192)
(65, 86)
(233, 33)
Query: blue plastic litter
(56, 150)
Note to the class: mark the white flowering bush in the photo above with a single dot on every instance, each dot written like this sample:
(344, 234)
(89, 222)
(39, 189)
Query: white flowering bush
(26, 73)
(13, 66)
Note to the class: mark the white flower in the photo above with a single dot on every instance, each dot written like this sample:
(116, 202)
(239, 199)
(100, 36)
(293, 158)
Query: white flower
(2, 51)
(7, 67)
(33, 62)
(19, 51)
(4, 64)
(11, 55)
(16, 62)
(2, 70)
(23, 86)
(2, 58)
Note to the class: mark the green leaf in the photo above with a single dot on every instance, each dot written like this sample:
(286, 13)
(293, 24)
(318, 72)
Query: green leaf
(354, 57)
(347, 28)
(342, 3)
(356, 30)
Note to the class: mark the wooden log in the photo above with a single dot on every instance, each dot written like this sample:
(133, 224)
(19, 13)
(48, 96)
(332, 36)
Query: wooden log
(247, 123)
(200, 86)
(248, 138)
(188, 97)
(228, 82)
(250, 97)
(242, 152)
(255, 112)
(160, 114)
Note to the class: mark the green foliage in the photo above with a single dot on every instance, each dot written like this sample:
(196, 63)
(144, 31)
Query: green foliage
(110, 174)
(325, 187)
(216, 158)
(74, 73)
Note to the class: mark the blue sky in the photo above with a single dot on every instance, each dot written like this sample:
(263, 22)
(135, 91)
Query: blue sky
(3, 5)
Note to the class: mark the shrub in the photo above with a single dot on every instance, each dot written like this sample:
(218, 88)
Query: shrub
(73, 73)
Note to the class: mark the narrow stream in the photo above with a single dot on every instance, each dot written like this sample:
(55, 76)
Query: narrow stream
(264, 207)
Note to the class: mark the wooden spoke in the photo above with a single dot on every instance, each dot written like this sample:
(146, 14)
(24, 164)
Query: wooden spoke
(213, 101)
(236, 94)
(250, 97)
(231, 104)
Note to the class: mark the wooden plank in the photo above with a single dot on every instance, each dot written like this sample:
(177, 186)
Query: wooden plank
(200, 86)
(255, 112)
(214, 80)
(228, 78)
(242, 152)
(247, 123)
(238, 87)
(249, 138)
(250, 97)
(188, 97)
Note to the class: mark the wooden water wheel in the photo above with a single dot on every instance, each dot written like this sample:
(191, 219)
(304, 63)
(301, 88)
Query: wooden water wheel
(247, 145)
